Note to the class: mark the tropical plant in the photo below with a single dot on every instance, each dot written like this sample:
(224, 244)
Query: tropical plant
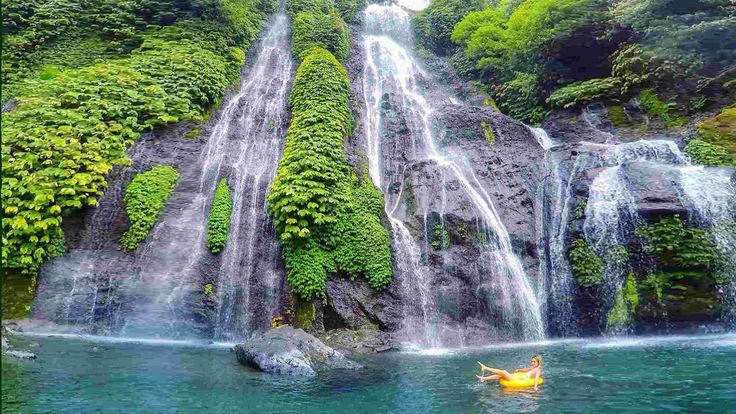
(145, 197)
(218, 226)
(587, 267)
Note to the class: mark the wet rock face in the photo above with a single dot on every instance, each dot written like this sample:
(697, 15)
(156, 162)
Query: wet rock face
(289, 351)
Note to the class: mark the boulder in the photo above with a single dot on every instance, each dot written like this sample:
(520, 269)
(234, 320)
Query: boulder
(290, 351)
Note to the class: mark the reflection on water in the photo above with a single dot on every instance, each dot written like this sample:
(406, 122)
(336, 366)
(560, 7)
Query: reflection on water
(658, 374)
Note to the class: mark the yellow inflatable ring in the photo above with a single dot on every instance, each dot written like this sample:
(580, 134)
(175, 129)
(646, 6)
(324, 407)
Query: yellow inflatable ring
(520, 381)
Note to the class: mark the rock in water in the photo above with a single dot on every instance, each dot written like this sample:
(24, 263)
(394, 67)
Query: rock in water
(290, 351)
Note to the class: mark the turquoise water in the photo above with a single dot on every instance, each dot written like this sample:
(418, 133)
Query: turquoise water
(658, 374)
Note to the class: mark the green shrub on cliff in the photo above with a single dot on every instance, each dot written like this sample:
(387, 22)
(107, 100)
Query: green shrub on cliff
(218, 225)
(584, 92)
(676, 245)
(145, 197)
(433, 26)
(328, 220)
(586, 266)
(327, 31)
(74, 120)
(720, 129)
(701, 152)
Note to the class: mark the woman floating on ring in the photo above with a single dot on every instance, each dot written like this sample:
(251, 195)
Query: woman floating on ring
(524, 377)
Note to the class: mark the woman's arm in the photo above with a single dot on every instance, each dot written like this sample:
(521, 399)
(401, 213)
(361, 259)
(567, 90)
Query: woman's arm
(536, 379)
(524, 369)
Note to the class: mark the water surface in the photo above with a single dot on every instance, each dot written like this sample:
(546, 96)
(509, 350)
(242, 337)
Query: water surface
(662, 374)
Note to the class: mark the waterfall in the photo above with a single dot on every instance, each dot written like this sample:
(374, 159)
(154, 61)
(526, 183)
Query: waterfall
(611, 213)
(159, 290)
(390, 69)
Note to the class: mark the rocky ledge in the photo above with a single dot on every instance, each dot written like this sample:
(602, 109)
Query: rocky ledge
(290, 351)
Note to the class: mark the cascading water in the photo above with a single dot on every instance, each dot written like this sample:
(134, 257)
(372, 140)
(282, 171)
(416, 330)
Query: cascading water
(611, 213)
(157, 291)
(390, 70)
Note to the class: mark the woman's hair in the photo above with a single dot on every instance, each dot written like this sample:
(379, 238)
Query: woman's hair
(538, 358)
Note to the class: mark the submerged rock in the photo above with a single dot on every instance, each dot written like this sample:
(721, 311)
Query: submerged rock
(289, 351)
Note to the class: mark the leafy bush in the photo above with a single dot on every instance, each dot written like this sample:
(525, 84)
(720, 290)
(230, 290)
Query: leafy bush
(294, 7)
(433, 26)
(307, 192)
(677, 246)
(349, 9)
(520, 98)
(664, 110)
(327, 31)
(587, 267)
(72, 125)
(218, 226)
(701, 152)
(328, 220)
(720, 129)
(583, 92)
(145, 197)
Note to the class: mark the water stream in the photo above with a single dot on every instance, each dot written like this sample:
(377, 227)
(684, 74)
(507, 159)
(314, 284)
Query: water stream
(159, 290)
(611, 213)
(390, 69)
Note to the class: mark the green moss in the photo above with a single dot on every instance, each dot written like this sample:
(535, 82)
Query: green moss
(619, 316)
(440, 237)
(579, 212)
(587, 267)
(327, 31)
(488, 132)
(679, 251)
(701, 152)
(583, 92)
(617, 115)
(207, 289)
(18, 291)
(305, 313)
(194, 133)
(631, 293)
(720, 130)
(218, 226)
(328, 220)
(663, 110)
(145, 197)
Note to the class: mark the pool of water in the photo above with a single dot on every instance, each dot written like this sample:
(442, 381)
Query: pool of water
(656, 374)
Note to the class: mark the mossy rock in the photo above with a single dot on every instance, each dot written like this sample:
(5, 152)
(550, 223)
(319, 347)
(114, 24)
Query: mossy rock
(305, 313)
(720, 130)
(18, 292)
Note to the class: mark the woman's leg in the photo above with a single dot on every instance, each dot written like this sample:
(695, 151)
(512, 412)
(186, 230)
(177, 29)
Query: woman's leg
(500, 373)
(488, 378)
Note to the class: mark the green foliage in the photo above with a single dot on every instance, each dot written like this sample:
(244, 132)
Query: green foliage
(327, 31)
(631, 293)
(328, 220)
(308, 190)
(488, 132)
(294, 7)
(586, 266)
(720, 129)
(520, 98)
(701, 152)
(218, 226)
(617, 115)
(584, 91)
(579, 212)
(440, 237)
(696, 32)
(145, 197)
(18, 291)
(651, 102)
(433, 26)
(619, 316)
(676, 246)
(349, 9)
(208, 289)
(508, 48)
(139, 64)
